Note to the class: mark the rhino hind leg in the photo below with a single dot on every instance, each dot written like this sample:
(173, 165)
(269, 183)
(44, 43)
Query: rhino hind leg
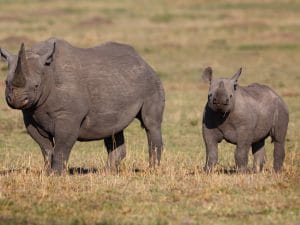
(116, 150)
(259, 154)
(279, 155)
(151, 119)
(278, 135)
(155, 146)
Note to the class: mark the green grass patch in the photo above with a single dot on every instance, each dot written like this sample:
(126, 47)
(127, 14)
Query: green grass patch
(163, 18)
(258, 47)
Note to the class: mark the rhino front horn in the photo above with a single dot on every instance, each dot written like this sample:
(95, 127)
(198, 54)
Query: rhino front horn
(19, 79)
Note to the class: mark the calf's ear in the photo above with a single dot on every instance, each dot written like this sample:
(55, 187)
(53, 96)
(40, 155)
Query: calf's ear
(47, 58)
(5, 55)
(236, 77)
(207, 74)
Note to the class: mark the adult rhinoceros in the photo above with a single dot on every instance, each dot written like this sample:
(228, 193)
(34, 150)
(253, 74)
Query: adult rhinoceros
(68, 94)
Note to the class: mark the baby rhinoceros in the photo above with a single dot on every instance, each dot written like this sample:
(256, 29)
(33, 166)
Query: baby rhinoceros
(68, 94)
(244, 116)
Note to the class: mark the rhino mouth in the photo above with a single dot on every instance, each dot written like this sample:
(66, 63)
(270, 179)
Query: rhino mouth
(220, 107)
(220, 103)
(24, 104)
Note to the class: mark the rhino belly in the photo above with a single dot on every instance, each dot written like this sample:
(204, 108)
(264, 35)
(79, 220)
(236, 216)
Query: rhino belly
(100, 124)
(264, 121)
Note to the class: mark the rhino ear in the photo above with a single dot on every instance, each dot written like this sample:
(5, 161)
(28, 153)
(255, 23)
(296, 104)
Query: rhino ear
(207, 74)
(47, 58)
(5, 55)
(236, 77)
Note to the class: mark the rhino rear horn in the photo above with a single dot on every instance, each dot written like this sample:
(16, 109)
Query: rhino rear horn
(21, 71)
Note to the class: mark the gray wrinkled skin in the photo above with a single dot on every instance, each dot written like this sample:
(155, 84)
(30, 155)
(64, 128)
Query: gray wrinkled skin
(68, 94)
(244, 116)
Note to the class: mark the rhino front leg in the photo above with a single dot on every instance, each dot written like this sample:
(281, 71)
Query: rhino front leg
(211, 139)
(244, 142)
(46, 145)
(259, 154)
(66, 134)
(116, 150)
(42, 138)
(241, 156)
(211, 156)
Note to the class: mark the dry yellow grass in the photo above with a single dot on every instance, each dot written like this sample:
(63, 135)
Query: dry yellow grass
(178, 38)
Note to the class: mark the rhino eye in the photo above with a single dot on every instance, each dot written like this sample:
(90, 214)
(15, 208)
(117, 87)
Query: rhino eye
(230, 96)
(36, 87)
(6, 82)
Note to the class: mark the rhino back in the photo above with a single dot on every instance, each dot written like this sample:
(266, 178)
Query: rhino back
(108, 71)
(259, 103)
(262, 96)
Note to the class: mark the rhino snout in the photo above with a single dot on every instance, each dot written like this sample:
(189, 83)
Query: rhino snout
(17, 104)
(224, 101)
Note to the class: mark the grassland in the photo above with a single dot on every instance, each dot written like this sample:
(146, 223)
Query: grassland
(178, 38)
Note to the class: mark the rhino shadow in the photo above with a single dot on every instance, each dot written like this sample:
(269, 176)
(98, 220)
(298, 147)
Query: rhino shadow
(81, 170)
(71, 171)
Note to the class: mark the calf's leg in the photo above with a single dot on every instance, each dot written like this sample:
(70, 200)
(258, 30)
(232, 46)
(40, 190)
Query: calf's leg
(241, 156)
(211, 139)
(211, 156)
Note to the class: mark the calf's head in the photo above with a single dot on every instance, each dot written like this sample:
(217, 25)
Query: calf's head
(221, 94)
(26, 72)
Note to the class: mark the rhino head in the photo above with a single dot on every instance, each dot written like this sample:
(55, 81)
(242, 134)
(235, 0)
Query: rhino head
(24, 82)
(221, 95)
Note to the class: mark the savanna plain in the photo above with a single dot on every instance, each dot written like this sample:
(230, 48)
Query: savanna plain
(178, 39)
